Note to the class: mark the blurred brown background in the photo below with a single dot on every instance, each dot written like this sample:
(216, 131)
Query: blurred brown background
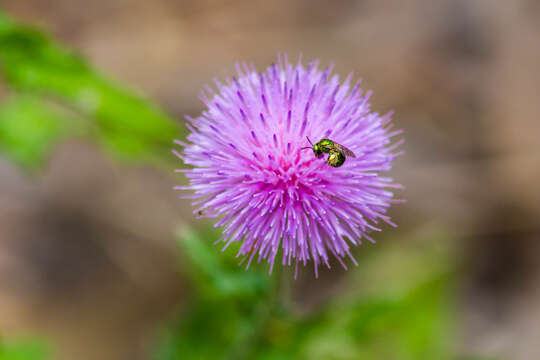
(462, 77)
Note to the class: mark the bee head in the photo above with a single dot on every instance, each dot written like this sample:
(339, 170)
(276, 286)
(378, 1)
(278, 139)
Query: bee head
(317, 150)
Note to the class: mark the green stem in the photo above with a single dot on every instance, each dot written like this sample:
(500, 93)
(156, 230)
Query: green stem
(278, 300)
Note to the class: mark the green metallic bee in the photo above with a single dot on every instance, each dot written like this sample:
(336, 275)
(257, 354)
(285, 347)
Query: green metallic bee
(337, 153)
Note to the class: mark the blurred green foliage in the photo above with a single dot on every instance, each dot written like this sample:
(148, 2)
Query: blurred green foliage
(22, 350)
(54, 93)
(236, 314)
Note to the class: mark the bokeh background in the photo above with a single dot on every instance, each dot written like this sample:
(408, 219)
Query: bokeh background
(99, 259)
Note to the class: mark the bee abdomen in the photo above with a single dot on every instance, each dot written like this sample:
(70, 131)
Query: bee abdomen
(336, 158)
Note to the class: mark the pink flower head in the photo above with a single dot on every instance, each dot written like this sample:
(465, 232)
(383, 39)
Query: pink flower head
(250, 171)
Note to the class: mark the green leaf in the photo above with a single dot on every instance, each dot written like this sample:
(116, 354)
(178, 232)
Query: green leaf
(125, 123)
(217, 273)
(400, 306)
(30, 127)
(22, 350)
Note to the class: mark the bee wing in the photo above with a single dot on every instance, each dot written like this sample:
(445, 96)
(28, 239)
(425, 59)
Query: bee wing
(344, 150)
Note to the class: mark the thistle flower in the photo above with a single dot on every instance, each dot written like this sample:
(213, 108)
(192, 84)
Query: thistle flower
(250, 171)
